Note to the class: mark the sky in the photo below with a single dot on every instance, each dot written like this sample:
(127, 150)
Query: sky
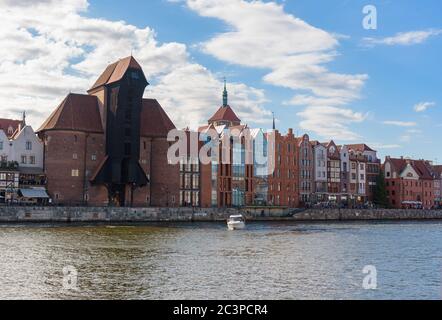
(313, 63)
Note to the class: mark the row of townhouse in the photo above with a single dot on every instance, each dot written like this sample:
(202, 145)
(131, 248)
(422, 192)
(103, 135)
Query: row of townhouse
(111, 148)
(323, 172)
(303, 172)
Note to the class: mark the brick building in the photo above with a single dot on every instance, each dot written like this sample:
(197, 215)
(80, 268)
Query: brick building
(283, 183)
(109, 147)
(409, 183)
(333, 171)
(306, 169)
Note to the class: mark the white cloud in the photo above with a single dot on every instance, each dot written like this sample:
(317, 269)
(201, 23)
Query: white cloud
(331, 122)
(423, 106)
(382, 146)
(44, 57)
(201, 89)
(400, 123)
(403, 38)
(261, 35)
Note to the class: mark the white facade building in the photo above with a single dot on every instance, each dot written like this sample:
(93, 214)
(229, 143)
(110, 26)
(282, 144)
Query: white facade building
(320, 156)
(24, 147)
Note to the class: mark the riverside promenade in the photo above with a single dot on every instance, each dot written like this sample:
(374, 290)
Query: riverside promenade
(140, 215)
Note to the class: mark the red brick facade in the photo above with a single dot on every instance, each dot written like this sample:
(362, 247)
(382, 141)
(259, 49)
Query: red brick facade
(410, 183)
(283, 184)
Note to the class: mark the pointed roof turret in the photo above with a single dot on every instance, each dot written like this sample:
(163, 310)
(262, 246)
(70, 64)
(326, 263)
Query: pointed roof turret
(116, 71)
(225, 94)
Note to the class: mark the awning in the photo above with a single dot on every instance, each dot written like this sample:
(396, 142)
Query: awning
(34, 193)
(412, 202)
(31, 170)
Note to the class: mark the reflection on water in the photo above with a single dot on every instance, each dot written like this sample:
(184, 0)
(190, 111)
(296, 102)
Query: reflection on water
(205, 261)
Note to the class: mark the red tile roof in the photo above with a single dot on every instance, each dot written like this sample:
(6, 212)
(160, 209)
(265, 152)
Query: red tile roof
(359, 147)
(115, 72)
(77, 112)
(5, 124)
(421, 167)
(81, 113)
(226, 114)
(154, 120)
(438, 171)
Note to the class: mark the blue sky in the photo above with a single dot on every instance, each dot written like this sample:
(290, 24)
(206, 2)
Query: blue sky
(319, 70)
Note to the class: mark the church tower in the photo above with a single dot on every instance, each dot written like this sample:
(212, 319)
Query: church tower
(225, 116)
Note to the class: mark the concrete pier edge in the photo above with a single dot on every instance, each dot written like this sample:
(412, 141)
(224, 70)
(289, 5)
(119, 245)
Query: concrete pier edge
(140, 215)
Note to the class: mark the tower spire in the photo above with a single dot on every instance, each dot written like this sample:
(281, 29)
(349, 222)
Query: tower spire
(274, 122)
(24, 118)
(225, 94)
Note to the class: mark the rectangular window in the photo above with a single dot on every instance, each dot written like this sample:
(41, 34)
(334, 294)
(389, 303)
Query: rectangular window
(94, 157)
(196, 181)
(32, 159)
(75, 156)
(75, 173)
(187, 181)
(1, 145)
(28, 145)
(23, 159)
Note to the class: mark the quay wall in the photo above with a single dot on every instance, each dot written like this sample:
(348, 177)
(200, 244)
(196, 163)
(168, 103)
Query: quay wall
(122, 215)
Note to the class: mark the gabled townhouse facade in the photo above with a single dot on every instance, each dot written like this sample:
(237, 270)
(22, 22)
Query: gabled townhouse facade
(283, 183)
(373, 166)
(21, 165)
(437, 170)
(358, 177)
(306, 170)
(320, 172)
(333, 172)
(409, 183)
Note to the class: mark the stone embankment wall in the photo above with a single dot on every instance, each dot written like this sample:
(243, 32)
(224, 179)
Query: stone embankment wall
(120, 215)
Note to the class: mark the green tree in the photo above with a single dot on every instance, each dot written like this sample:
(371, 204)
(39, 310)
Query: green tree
(380, 192)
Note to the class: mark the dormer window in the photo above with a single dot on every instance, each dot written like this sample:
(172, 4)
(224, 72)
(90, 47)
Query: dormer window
(10, 130)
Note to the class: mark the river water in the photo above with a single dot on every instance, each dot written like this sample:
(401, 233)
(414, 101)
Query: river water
(205, 261)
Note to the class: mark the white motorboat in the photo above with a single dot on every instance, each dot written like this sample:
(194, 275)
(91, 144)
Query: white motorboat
(236, 223)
